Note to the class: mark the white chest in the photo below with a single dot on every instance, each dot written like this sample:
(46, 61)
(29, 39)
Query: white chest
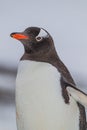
(39, 101)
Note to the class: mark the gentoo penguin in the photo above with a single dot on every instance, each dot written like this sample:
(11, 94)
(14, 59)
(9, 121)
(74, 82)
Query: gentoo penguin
(46, 95)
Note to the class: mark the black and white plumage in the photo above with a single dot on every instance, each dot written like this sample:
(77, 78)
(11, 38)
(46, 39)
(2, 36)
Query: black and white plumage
(46, 95)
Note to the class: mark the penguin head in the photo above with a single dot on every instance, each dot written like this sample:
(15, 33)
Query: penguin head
(37, 42)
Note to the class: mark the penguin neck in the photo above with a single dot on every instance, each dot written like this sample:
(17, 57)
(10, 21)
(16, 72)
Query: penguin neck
(54, 60)
(50, 57)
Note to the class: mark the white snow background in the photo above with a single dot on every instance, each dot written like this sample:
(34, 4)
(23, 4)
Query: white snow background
(67, 23)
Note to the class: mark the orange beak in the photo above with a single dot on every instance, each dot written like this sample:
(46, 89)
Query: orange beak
(19, 36)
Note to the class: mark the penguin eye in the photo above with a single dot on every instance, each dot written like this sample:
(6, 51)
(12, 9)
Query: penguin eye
(38, 39)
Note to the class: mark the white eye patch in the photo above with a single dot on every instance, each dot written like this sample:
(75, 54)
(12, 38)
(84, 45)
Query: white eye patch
(42, 33)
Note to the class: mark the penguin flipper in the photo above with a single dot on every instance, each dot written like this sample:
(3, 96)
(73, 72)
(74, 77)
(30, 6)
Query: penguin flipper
(78, 95)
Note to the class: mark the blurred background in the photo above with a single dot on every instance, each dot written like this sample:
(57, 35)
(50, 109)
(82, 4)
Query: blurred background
(67, 23)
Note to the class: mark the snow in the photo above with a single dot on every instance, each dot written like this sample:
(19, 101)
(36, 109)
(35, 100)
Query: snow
(7, 117)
